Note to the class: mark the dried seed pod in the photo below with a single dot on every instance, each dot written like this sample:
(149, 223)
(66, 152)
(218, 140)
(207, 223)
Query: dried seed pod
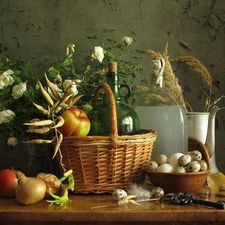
(41, 109)
(42, 130)
(60, 122)
(52, 87)
(40, 123)
(45, 94)
(58, 143)
(38, 141)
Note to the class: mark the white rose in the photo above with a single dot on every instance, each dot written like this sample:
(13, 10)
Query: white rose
(66, 84)
(18, 90)
(8, 72)
(98, 53)
(57, 89)
(12, 141)
(6, 79)
(6, 116)
(73, 88)
(127, 40)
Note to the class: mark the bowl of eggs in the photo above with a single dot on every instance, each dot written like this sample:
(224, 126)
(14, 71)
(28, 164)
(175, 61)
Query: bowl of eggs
(181, 172)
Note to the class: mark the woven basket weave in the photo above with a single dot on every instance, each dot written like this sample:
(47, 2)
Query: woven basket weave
(105, 163)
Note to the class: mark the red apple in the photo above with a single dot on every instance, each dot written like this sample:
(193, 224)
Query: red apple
(8, 182)
(76, 122)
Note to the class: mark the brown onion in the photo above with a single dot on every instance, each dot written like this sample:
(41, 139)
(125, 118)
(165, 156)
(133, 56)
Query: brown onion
(30, 190)
(52, 183)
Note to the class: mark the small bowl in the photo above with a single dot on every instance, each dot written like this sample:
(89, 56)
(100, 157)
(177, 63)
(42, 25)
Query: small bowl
(178, 182)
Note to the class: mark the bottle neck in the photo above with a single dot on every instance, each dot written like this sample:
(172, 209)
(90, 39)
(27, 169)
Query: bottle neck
(112, 80)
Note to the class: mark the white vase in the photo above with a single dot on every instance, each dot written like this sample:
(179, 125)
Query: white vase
(201, 125)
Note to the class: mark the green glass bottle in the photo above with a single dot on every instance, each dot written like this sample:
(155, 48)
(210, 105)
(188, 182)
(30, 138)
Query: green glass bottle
(127, 119)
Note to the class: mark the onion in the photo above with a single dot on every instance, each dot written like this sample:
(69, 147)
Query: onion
(30, 190)
(52, 182)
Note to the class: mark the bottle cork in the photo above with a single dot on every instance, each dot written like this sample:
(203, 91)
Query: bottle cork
(112, 67)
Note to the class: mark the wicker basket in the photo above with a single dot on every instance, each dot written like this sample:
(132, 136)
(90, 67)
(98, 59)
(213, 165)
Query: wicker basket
(105, 163)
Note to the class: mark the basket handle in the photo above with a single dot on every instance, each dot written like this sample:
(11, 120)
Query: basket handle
(112, 111)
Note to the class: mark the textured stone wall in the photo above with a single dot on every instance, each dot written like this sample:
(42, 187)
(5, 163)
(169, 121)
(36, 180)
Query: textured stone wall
(39, 31)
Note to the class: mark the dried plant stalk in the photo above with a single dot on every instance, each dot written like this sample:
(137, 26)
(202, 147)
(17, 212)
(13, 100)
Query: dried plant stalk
(171, 80)
(171, 84)
(202, 72)
(153, 54)
(197, 66)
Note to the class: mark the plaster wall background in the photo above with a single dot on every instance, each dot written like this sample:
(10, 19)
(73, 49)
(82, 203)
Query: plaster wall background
(39, 31)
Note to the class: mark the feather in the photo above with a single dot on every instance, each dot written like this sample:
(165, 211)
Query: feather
(139, 191)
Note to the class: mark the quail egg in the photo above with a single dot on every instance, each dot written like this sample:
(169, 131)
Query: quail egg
(180, 169)
(161, 159)
(165, 168)
(222, 188)
(173, 160)
(195, 155)
(119, 194)
(193, 166)
(203, 165)
(153, 165)
(157, 192)
(184, 160)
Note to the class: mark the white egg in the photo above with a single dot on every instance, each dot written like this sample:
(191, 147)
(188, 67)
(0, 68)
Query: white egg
(173, 160)
(165, 168)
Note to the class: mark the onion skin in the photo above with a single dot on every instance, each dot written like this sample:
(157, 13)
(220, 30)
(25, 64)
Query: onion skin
(30, 190)
(52, 183)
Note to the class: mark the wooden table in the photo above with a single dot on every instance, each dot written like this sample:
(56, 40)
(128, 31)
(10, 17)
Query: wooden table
(80, 211)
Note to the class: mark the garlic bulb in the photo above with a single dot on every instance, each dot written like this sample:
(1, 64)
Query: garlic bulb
(52, 183)
(30, 190)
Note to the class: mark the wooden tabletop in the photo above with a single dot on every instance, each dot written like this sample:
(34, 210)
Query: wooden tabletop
(84, 209)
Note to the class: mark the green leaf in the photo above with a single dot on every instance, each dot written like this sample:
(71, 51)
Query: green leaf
(28, 70)
(16, 78)
(53, 73)
(16, 72)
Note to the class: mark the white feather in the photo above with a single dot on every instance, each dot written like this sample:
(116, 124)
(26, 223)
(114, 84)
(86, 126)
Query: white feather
(139, 191)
